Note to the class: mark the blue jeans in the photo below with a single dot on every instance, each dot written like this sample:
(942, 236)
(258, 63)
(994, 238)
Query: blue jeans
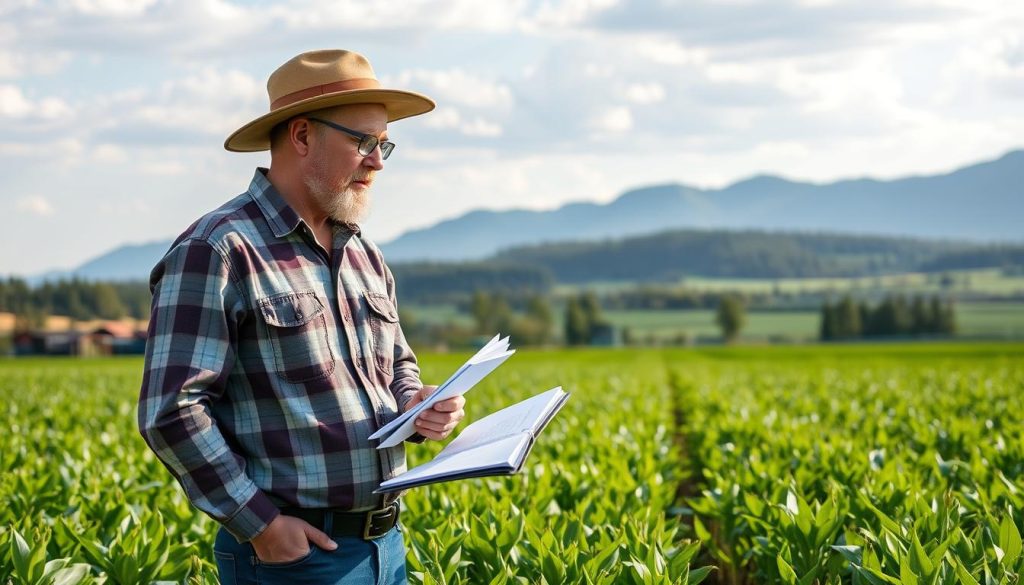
(372, 562)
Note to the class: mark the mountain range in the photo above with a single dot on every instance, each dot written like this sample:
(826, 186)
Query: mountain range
(983, 202)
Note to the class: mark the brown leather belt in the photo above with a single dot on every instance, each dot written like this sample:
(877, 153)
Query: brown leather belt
(366, 525)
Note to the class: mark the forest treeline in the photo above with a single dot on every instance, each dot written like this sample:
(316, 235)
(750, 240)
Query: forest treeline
(76, 298)
(893, 316)
(673, 255)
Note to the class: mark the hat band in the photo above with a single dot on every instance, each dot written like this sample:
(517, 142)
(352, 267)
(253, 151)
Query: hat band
(302, 94)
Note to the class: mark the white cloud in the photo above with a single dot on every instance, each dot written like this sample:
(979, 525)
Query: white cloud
(206, 103)
(443, 15)
(109, 153)
(481, 127)
(15, 104)
(997, 63)
(454, 86)
(668, 52)
(615, 119)
(36, 205)
(447, 118)
(63, 150)
(645, 93)
(14, 64)
(115, 8)
(164, 168)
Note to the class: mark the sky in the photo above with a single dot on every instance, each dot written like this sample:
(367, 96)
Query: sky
(113, 113)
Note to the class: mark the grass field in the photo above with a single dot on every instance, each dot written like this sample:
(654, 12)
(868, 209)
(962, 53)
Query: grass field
(886, 463)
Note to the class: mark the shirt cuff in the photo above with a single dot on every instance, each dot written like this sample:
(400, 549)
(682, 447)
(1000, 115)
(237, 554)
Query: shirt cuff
(252, 518)
(404, 396)
(404, 399)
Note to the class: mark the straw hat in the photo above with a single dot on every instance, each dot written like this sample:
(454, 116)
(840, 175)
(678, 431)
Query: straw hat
(322, 79)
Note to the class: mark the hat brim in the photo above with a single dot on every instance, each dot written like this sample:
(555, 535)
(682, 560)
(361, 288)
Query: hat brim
(255, 136)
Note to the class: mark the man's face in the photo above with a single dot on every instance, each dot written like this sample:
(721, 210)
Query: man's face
(336, 175)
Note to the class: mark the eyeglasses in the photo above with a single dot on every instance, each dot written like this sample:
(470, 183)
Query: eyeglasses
(367, 142)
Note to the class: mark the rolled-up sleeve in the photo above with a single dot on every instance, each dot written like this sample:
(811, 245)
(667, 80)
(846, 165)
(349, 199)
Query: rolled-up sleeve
(189, 356)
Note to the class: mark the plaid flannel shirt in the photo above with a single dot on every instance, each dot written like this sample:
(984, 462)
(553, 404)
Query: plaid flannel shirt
(268, 366)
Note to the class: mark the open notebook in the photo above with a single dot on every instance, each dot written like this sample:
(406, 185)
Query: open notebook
(482, 363)
(494, 445)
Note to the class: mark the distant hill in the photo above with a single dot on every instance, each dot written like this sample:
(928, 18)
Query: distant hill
(671, 255)
(981, 202)
(128, 262)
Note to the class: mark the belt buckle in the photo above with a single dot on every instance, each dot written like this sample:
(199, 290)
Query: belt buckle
(373, 515)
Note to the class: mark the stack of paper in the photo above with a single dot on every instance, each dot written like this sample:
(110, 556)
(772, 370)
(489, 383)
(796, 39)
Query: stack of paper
(484, 362)
(494, 445)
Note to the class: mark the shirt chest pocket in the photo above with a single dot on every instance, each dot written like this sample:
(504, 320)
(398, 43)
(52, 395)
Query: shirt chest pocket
(297, 335)
(383, 330)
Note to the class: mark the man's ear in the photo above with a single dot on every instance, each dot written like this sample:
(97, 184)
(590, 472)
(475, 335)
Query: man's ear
(298, 135)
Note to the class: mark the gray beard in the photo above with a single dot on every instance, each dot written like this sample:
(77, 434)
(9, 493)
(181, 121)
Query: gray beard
(349, 206)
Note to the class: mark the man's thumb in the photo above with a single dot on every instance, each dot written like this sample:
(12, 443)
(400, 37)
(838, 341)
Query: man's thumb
(319, 538)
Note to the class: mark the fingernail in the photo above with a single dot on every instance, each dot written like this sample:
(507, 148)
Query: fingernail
(332, 545)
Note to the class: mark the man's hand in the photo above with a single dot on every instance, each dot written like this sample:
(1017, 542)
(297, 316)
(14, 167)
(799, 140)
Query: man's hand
(437, 422)
(287, 538)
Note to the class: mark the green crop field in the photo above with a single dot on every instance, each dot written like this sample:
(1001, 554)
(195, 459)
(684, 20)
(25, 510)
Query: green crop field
(889, 463)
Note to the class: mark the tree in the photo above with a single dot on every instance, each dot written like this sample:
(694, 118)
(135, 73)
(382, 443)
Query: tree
(922, 320)
(944, 315)
(480, 308)
(491, 313)
(577, 329)
(828, 322)
(538, 320)
(731, 316)
(108, 303)
(867, 319)
(847, 315)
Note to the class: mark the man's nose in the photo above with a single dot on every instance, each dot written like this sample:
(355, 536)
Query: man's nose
(374, 160)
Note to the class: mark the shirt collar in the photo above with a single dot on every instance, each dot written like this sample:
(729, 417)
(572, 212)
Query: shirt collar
(279, 215)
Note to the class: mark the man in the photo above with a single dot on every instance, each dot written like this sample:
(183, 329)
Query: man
(274, 344)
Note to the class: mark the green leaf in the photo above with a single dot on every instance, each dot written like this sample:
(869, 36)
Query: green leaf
(698, 575)
(786, 570)
(887, 522)
(919, 560)
(21, 554)
(1009, 541)
(907, 575)
(71, 575)
(964, 575)
(874, 576)
(850, 553)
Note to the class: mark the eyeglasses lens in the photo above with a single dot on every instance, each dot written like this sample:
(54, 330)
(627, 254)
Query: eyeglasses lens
(367, 144)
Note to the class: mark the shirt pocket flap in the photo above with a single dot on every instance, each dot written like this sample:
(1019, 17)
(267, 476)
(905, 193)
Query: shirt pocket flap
(382, 306)
(290, 309)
